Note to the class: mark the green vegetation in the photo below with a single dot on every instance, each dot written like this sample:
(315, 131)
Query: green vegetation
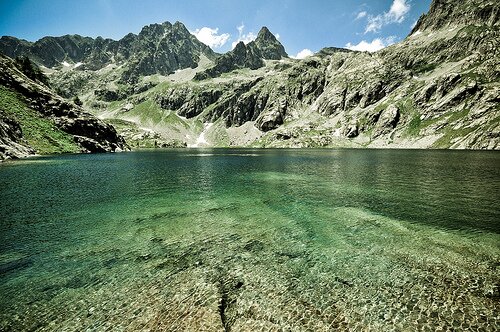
(414, 126)
(450, 134)
(424, 68)
(150, 112)
(31, 70)
(40, 133)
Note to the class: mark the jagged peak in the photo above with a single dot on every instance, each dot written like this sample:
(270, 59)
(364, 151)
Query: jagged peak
(445, 13)
(180, 27)
(269, 46)
(265, 34)
(239, 46)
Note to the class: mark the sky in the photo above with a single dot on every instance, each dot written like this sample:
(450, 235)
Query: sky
(302, 26)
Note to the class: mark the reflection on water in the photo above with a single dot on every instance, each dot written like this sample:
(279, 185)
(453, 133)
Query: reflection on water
(251, 240)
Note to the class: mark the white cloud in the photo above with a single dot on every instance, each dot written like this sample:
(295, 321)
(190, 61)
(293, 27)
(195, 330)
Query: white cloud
(373, 46)
(396, 14)
(241, 28)
(303, 54)
(246, 38)
(210, 37)
(398, 11)
(361, 15)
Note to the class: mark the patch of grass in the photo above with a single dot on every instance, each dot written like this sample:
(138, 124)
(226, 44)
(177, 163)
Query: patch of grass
(148, 111)
(120, 123)
(173, 119)
(117, 104)
(424, 68)
(414, 126)
(406, 106)
(161, 87)
(450, 134)
(39, 132)
(458, 115)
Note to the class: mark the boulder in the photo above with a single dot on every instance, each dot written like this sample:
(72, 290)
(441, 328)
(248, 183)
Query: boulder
(387, 121)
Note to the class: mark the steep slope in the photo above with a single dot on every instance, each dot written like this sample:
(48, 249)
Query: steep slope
(34, 120)
(446, 13)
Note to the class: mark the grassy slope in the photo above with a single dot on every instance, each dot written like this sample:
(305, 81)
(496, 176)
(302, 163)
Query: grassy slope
(39, 132)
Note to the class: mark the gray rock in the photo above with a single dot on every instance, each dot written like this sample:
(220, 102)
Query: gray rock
(387, 121)
(351, 129)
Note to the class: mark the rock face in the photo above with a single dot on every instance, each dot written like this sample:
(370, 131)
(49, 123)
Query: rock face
(449, 13)
(158, 48)
(11, 143)
(264, 47)
(89, 133)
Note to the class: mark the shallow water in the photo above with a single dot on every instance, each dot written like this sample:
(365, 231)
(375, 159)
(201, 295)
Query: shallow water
(246, 240)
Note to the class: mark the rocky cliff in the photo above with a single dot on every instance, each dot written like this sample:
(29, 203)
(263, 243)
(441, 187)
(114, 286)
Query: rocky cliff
(33, 120)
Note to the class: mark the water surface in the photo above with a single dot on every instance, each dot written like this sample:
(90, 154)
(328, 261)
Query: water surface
(245, 240)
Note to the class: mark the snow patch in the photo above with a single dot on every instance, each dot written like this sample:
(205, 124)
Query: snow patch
(78, 64)
(201, 140)
(417, 33)
(65, 64)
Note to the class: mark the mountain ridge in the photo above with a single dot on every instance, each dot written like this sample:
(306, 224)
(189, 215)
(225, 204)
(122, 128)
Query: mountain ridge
(157, 48)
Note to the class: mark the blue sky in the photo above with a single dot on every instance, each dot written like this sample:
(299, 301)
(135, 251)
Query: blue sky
(300, 24)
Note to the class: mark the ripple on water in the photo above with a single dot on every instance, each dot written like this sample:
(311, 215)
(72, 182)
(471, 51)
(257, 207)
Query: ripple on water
(244, 245)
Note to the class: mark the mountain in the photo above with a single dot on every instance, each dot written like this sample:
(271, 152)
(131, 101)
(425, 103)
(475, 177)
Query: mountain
(35, 120)
(158, 48)
(438, 88)
(252, 56)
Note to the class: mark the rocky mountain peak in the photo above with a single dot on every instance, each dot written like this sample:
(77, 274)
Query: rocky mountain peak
(152, 29)
(265, 34)
(240, 47)
(268, 45)
(445, 13)
(180, 26)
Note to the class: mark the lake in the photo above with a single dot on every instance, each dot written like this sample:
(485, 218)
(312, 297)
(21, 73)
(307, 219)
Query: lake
(249, 239)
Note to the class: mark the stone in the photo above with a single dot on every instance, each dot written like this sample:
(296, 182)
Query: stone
(387, 121)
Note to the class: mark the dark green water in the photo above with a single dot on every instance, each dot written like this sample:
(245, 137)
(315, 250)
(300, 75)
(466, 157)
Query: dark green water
(246, 240)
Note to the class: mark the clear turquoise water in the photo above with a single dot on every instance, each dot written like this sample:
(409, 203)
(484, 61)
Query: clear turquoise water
(246, 240)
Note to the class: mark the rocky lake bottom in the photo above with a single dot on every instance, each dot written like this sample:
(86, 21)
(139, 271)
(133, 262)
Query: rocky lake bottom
(251, 240)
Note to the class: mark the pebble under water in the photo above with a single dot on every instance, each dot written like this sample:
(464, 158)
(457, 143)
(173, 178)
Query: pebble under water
(251, 240)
